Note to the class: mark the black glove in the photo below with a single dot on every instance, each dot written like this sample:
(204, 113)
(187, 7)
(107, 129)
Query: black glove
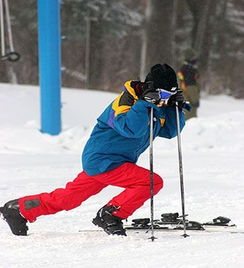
(179, 98)
(150, 94)
(152, 97)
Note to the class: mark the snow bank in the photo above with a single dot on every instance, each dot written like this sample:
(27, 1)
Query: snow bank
(31, 162)
(20, 119)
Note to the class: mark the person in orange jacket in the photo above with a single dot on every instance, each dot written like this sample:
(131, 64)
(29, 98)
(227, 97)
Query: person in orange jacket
(188, 77)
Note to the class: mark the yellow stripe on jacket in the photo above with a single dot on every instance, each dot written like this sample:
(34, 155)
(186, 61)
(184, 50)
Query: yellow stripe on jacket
(120, 109)
(125, 100)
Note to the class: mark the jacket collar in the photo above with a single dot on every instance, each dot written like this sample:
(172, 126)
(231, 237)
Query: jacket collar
(130, 89)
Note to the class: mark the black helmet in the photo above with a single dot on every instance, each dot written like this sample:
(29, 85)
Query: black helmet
(162, 76)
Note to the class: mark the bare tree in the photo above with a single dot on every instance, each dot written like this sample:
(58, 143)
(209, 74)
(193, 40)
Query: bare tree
(158, 34)
(174, 28)
(202, 26)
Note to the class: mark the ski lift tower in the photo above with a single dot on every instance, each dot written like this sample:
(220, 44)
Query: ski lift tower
(49, 43)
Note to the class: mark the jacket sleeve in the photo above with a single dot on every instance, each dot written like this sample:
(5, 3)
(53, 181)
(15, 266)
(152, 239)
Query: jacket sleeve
(169, 130)
(134, 122)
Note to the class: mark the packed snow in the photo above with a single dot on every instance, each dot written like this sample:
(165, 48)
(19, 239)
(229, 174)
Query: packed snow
(32, 162)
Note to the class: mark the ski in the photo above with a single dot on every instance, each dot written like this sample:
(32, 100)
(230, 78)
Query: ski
(230, 230)
(172, 222)
(191, 226)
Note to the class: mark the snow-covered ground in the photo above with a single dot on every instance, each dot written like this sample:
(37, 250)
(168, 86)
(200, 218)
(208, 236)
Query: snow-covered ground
(31, 162)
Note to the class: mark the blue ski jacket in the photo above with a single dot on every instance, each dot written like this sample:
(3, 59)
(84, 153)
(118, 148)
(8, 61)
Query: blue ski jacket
(122, 132)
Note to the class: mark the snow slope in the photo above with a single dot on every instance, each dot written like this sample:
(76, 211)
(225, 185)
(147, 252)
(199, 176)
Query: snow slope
(31, 162)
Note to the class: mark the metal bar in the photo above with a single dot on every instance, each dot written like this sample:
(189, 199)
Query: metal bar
(2, 29)
(50, 65)
(8, 22)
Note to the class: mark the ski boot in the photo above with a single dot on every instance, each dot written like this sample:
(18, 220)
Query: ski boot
(108, 222)
(11, 214)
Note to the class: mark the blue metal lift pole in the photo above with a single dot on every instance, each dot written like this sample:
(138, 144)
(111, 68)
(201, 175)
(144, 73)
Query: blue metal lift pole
(49, 40)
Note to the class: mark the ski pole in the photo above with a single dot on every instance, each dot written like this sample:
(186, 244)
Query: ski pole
(181, 169)
(151, 175)
(11, 55)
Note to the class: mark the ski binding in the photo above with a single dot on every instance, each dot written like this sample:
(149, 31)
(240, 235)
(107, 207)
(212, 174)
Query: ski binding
(172, 221)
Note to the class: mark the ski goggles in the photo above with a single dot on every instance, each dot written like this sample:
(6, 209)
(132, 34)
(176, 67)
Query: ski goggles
(166, 94)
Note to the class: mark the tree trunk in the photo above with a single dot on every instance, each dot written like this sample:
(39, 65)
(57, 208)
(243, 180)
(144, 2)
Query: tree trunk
(97, 55)
(208, 35)
(201, 27)
(158, 34)
(174, 28)
(202, 32)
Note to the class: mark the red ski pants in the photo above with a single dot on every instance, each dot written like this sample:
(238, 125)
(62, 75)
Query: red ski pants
(133, 178)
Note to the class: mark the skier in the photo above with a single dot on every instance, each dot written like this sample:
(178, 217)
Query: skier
(110, 155)
(188, 77)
